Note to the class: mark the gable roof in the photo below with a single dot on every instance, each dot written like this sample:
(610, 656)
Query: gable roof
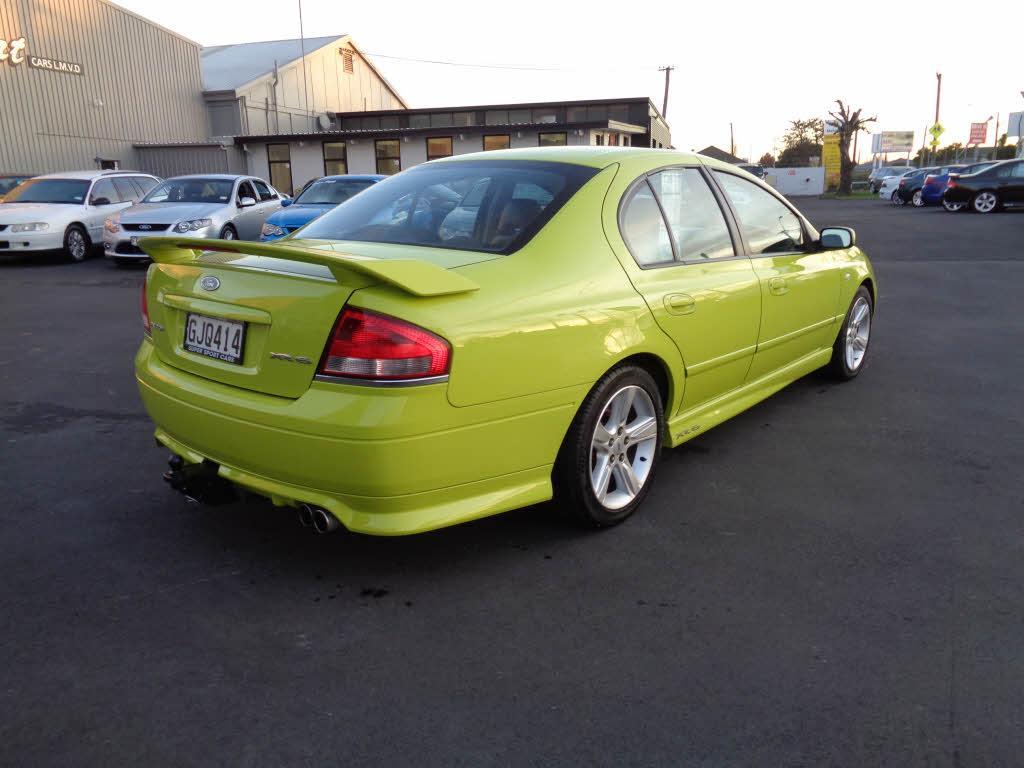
(720, 154)
(229, 67)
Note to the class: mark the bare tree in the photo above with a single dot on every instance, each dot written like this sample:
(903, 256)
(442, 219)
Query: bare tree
(848, 123)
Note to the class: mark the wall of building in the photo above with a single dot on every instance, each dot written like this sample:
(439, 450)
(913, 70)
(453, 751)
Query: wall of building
(797, 181)
(266, 108)
(168, 161)
(136, 83)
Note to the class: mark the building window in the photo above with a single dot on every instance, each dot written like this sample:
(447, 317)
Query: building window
(545, 115)
(599, 139)
(280, 158)
(389, 158)
(501, 141)
(335, 158)
(438, 147)
(576, 114)
(419, 121)
(551, 139)
(464, 118)
(496, 117)
(441, 120)
(346, 60)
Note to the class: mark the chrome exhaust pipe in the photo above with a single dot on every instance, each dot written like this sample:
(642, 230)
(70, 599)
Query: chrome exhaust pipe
(305, 515)
(324, 521)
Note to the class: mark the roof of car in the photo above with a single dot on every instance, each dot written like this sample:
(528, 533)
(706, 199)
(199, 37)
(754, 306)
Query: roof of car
(89, 175)
(353, 177)
(596, 157)
(224, 176)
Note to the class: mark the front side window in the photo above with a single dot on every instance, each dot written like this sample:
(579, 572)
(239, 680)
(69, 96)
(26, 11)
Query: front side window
(492, 206)
(500, 141)
(695, 220)
(280, 158)
(335, 158)
(245, 190)
(438, 147)
(768, 225)
(191, 190)
(551, 139)
(389, 157)
(104, 193)
(643, 228)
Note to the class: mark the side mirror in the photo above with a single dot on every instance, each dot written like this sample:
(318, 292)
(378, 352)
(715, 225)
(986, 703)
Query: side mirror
(246, 202)
(99, 201)
(286, 202)
(834, 238)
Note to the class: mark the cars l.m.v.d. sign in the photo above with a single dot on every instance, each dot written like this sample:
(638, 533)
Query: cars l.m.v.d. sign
(15, 52)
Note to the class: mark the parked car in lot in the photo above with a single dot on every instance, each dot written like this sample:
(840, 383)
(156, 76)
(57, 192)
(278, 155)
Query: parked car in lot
(390, 373)
(757, 170)
(67, 210)
(221, 206)
(909, 186)
(316, 199)
(935, 183)
(877, 175)
(10, 181)
(890, 185)
(998, 186)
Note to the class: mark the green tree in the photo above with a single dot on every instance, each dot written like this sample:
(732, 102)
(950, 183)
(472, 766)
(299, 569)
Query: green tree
(801, 142)
(767, 160)
(848, 122)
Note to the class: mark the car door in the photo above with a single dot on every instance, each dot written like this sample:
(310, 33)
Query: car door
(269, 200)
(104, 200)
(248, 220)
(681, 256)
(799, 281)
(1013, 184)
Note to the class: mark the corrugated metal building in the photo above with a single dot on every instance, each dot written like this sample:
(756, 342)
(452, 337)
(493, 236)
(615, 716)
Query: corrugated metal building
(83, 81)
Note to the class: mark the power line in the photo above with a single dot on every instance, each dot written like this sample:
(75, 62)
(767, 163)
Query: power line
(514, 67)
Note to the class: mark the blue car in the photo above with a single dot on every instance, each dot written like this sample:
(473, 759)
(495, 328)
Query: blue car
(935, 183)
(316, 199)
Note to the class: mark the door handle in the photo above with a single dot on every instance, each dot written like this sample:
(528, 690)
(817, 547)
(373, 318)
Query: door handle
(680, 304)
(777, 285)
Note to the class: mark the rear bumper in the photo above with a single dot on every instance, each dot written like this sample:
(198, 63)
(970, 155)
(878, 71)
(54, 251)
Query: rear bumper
(932, 195)
(383, 461)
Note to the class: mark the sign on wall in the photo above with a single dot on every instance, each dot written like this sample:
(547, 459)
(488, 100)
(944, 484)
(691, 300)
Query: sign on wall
(15, 52)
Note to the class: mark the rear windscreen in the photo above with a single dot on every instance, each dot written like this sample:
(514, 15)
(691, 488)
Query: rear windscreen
(494, 206)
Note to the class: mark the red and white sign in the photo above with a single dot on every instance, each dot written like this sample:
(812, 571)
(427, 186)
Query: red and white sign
(979, 133)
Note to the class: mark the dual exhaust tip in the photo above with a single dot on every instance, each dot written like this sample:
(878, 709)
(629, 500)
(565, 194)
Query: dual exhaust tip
(320, 520)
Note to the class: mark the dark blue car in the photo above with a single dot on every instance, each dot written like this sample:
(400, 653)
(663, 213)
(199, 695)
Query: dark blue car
(316, 199)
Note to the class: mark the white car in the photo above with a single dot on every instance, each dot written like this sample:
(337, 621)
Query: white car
(889, 186)
(880, 174)
(66, 211)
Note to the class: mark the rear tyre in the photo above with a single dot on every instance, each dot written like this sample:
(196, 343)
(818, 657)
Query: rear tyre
(850, 350)
(917, 199)
(228, 233)
(76, 243)
(896, 199)
(985, 202)
(952, 207)
(607, 461)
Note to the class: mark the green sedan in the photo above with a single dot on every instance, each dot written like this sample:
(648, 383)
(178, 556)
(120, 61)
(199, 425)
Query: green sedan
(490, 331)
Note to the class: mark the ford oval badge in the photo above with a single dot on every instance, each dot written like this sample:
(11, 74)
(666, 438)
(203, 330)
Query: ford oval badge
(209, 283)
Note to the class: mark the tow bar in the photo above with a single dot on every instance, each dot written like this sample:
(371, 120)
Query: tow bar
(199, 483)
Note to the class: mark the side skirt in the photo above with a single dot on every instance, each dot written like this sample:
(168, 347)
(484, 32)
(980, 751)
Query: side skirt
(698, 420)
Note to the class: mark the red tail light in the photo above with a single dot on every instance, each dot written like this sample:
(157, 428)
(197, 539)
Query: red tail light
(365, 345)
(903, 182)
(146, 327)
(951, 182)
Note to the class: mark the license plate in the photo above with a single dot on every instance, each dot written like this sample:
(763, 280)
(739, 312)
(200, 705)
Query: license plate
(215, 337)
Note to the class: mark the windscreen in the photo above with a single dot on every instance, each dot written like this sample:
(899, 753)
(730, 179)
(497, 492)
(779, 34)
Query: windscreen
(494, 206)
(331, 191)
(6, 185)
(191, 191)
(71, 191)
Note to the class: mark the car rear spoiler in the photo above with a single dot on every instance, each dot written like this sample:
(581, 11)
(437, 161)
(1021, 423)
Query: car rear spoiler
(420, 278)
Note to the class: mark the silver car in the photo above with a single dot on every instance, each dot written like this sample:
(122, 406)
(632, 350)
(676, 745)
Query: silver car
(210, 205)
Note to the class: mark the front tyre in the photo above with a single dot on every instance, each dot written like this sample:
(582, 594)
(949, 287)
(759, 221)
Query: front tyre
(985, 202)
(851, 346)
(228, 233)
(76, 243)
(917, 199)
(895, 199)
(607, 462)
(952, 207)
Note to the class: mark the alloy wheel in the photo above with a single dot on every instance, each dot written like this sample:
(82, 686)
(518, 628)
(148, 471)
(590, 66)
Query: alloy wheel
(227, 234)
(896, 199)
(622, 447)
(76, 245)
(952, 207)
(918, 199)
(985, 202)
(858, 332)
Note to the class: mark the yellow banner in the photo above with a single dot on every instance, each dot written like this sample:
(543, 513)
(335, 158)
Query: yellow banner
(830, 160)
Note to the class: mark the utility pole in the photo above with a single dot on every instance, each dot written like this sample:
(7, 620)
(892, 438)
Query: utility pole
(305, 75)
(664, 104)
(938, 95)
(995, 141)
(732, 142)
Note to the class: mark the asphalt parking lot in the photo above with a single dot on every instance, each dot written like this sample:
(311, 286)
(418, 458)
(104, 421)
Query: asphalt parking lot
(833, 578)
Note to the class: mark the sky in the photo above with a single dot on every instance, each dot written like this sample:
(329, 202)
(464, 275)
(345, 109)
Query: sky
(757, 65)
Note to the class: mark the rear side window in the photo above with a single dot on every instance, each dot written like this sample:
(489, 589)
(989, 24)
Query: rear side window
(695, 220)
(263, 190)
(128, 192)
(493, 206)
(768, 225)
(643, 228)
(145, 183)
